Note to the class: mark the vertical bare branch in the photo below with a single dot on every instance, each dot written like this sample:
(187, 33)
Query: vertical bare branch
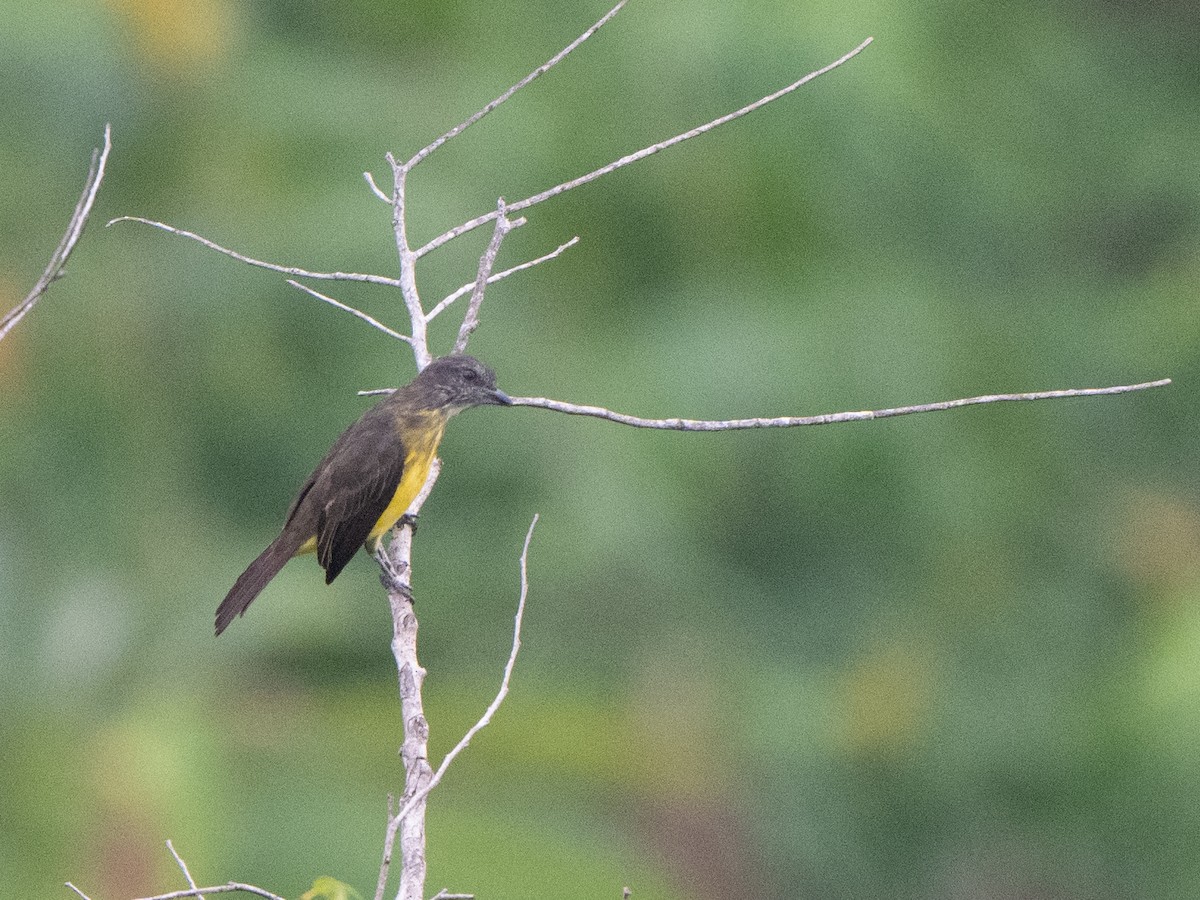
(58, 261)
(414, 751)
(408, 263)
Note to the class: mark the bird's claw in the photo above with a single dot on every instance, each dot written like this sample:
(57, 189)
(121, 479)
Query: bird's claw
(392, 580)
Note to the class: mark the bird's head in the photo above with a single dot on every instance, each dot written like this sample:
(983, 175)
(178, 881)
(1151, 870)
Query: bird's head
(455, 383)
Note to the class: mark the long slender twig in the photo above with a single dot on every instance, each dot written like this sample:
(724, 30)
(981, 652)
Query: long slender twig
(79, 218)
(227, 888)
(639, 155)
(540, 70)
(500, 276)
(77, 891)
(183, 868)
(677, 424)
(358, 313)
(294, 271)
(418, 797)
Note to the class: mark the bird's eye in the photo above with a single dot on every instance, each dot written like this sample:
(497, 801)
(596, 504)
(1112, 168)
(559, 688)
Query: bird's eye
(470, 375)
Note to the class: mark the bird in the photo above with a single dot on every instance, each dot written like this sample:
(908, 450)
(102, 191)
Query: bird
(369, 477)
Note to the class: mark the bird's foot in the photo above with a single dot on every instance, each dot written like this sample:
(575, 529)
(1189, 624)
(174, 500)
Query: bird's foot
(391, 578)
(407, 519)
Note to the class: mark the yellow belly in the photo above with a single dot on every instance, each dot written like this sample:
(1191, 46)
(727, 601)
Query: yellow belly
(416, 469)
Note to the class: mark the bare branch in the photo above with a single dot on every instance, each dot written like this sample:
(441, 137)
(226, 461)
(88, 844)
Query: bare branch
(486, 263)
(414, 752)
(58, 261)
(77, 891)
(350, 309)
(227, 888)
(183, 868)
(500, 276)
(826, 419)
(418, 797)
(540, 70)
(486, 718)
(294, 271)
(445, 894)
(639, 155)
(408, 263)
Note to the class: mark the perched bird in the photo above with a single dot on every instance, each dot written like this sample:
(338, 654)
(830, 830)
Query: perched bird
(370, 475)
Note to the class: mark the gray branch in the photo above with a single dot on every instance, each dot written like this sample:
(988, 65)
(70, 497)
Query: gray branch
(677, 424)
(56, 268)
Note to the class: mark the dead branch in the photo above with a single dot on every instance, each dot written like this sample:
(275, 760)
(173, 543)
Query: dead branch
(676, 424)
(414, 804)
(56, 268)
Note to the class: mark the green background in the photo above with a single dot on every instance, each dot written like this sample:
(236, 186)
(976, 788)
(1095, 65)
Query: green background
(948, 656)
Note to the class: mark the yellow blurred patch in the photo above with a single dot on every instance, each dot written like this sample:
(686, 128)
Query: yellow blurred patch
(884, 698)
(180, 36)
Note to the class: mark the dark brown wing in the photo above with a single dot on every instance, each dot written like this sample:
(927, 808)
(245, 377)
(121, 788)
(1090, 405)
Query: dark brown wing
(352, 487)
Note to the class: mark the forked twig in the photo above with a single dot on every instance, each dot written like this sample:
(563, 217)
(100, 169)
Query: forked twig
(419, 796)
(58, 260)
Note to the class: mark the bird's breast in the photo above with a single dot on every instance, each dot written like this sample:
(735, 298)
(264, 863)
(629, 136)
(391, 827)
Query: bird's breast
(421, 433)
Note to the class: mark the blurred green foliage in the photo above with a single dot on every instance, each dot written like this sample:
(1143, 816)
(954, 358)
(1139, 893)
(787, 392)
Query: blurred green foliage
(950, 656)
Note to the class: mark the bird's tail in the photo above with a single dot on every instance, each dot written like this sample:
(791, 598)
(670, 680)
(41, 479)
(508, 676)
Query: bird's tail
(251, 582)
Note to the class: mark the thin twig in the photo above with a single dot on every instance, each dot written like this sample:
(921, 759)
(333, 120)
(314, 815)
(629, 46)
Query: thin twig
(639, 155)
(227, 888)
(500, 276)
(83, 210)
(420, 796)
(294, 271)
(673, 424)
(183, 867)
(444, 894)
(78, 891)
(486, 263)
(350, 309)
(376, 189)
(540, 70)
